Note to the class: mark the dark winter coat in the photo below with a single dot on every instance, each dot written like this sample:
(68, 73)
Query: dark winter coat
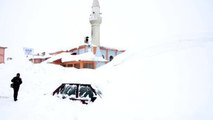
(16, 81)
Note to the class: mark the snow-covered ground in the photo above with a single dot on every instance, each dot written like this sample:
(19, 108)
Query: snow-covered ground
(171, 81)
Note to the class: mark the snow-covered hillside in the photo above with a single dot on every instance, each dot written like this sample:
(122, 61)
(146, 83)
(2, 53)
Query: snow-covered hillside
(171, 81)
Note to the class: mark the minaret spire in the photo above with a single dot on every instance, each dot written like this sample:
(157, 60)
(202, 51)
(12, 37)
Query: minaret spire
(95, 21)
(95, 3)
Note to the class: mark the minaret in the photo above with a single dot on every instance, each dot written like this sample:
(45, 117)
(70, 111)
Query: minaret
(95, 21)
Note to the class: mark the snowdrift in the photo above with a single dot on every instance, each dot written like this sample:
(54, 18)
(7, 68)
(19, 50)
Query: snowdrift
(169, 81)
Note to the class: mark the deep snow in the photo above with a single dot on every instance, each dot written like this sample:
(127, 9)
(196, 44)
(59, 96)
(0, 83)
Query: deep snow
(170, 81)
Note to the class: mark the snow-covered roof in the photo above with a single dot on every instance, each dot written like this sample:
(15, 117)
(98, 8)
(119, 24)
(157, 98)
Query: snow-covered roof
(65, 57)
(3, 47)
(39, 57)
(58, 56)
(88, 56)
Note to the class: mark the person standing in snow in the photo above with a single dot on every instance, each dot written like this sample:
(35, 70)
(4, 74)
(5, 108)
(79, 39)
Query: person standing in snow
(16, 81)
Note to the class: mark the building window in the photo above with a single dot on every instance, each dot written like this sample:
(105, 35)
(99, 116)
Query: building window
(77, 66)
(70, 65)
(88, 65)
(110, 58)
(74, 53)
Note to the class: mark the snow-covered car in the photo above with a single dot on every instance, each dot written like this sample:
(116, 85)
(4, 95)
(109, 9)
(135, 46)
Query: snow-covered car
(75, 91)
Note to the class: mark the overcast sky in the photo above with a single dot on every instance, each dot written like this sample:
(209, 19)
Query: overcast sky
(49, 25)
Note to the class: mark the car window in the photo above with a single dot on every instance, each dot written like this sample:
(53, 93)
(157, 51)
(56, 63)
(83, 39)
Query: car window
(86, 91)
(69, 90)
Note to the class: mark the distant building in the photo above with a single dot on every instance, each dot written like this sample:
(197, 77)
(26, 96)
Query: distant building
(39, 58)
(2, 54)
(91, 54)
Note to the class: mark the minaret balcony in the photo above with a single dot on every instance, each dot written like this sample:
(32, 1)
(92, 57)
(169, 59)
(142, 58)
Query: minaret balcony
(95, 20)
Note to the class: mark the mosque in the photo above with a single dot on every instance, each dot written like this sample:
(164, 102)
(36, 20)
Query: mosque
(89, 55)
